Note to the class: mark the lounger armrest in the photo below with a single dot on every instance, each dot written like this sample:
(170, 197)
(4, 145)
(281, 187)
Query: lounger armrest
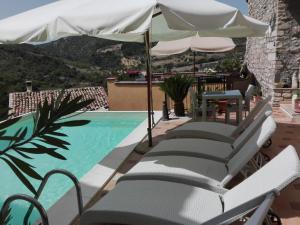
(261, 212)
(241, 210)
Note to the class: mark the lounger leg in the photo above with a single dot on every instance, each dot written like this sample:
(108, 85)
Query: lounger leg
(214, 113)
(268, 143)
(273, 218)
(261, 159)
(257, 162)
(266, 158)
(249, 169)
(254, 164)
(227, 116)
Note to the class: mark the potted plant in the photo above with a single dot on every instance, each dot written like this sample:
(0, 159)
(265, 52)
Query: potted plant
(176, 88)
(296, 100)
(257, 94)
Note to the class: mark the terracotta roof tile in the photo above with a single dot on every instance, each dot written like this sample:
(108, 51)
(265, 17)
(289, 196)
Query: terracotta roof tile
(25, 102)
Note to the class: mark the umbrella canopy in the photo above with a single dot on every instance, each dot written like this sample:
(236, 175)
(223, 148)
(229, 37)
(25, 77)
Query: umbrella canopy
(196, 44)
(128, 20)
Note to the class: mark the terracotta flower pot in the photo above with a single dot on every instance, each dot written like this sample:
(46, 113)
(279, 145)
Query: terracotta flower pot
(222, 106)
(297, 105)
(179, 109)
(257, 98)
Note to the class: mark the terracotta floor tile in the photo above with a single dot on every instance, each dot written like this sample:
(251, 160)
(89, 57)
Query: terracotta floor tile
(287, 205)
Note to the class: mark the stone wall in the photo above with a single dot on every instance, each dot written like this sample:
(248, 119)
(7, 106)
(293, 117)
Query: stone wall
(275, 58)
(288, 39)
(261, 51)
(283, 96)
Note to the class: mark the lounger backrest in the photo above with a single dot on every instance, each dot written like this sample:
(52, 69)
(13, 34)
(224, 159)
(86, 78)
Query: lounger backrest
(253, 145)
(251, 116)
(275, 175)
(250, 130)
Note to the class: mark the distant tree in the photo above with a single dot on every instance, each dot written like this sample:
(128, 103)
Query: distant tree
(133, 49)
(169, 67)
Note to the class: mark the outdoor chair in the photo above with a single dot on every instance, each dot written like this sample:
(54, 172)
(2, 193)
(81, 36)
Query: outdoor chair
(218, 131)
(196, 109)
(210, 168)
(156, 202)
(233, 107)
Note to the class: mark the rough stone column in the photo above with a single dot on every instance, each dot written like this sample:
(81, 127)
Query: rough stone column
(288, 39)
(275, 58)
(261, 51)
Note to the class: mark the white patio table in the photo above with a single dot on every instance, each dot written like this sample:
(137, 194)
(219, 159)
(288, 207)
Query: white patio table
(224, 95)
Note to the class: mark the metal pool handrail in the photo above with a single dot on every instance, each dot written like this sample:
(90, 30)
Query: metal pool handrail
(45, 180)
(27, 198)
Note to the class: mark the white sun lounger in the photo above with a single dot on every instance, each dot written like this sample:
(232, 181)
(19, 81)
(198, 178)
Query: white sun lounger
(154, 202)
(202, 172)
(209, 149)
(218, 131)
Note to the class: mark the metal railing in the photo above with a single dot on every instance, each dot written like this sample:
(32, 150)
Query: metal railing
(43, 184)
(212, 83)
(34, 203)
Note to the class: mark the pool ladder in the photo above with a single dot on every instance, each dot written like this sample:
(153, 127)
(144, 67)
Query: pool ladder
(34, 200)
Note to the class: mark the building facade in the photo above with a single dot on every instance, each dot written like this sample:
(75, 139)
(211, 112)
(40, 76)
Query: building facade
(275, 58)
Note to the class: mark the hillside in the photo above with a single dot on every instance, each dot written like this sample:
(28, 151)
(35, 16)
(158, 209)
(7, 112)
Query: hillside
(70, 62)
(80, 61)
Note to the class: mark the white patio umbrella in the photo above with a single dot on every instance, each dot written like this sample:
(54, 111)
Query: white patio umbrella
(195, 44)
(129, 20)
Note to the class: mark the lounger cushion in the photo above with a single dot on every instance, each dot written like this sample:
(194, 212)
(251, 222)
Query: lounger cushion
(193, 147)
(207, 126)
(154, 203)
(197, 171)
(189, 170)
(207, 130)
(212, 149)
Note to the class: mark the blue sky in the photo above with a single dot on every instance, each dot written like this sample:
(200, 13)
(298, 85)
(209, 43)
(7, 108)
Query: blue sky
(12, 7)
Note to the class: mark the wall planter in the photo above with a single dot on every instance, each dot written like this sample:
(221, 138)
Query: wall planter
(257, 98)
(297, 105)
(296, 101)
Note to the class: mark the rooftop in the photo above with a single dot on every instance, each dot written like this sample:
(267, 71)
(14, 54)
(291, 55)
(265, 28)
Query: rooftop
(26, 102)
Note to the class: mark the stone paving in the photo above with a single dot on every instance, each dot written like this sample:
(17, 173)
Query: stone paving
(287, 205)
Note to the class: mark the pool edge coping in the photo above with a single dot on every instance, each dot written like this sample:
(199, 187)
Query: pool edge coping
(65, 210)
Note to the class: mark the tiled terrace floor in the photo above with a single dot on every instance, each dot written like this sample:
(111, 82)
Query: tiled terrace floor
(287, 205)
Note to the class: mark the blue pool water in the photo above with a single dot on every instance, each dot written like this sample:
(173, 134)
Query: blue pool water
(89, 144)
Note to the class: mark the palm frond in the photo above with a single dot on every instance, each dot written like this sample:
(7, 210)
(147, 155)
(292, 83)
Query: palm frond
(49, 118)
(177, 87)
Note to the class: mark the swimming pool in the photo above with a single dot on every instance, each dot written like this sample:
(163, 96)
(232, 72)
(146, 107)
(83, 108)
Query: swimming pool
(89, 145)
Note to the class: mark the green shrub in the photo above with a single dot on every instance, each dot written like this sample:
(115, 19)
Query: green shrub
(176, 88)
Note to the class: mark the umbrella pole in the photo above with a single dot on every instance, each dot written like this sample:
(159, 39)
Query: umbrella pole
(149, 82)
(194, 64)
